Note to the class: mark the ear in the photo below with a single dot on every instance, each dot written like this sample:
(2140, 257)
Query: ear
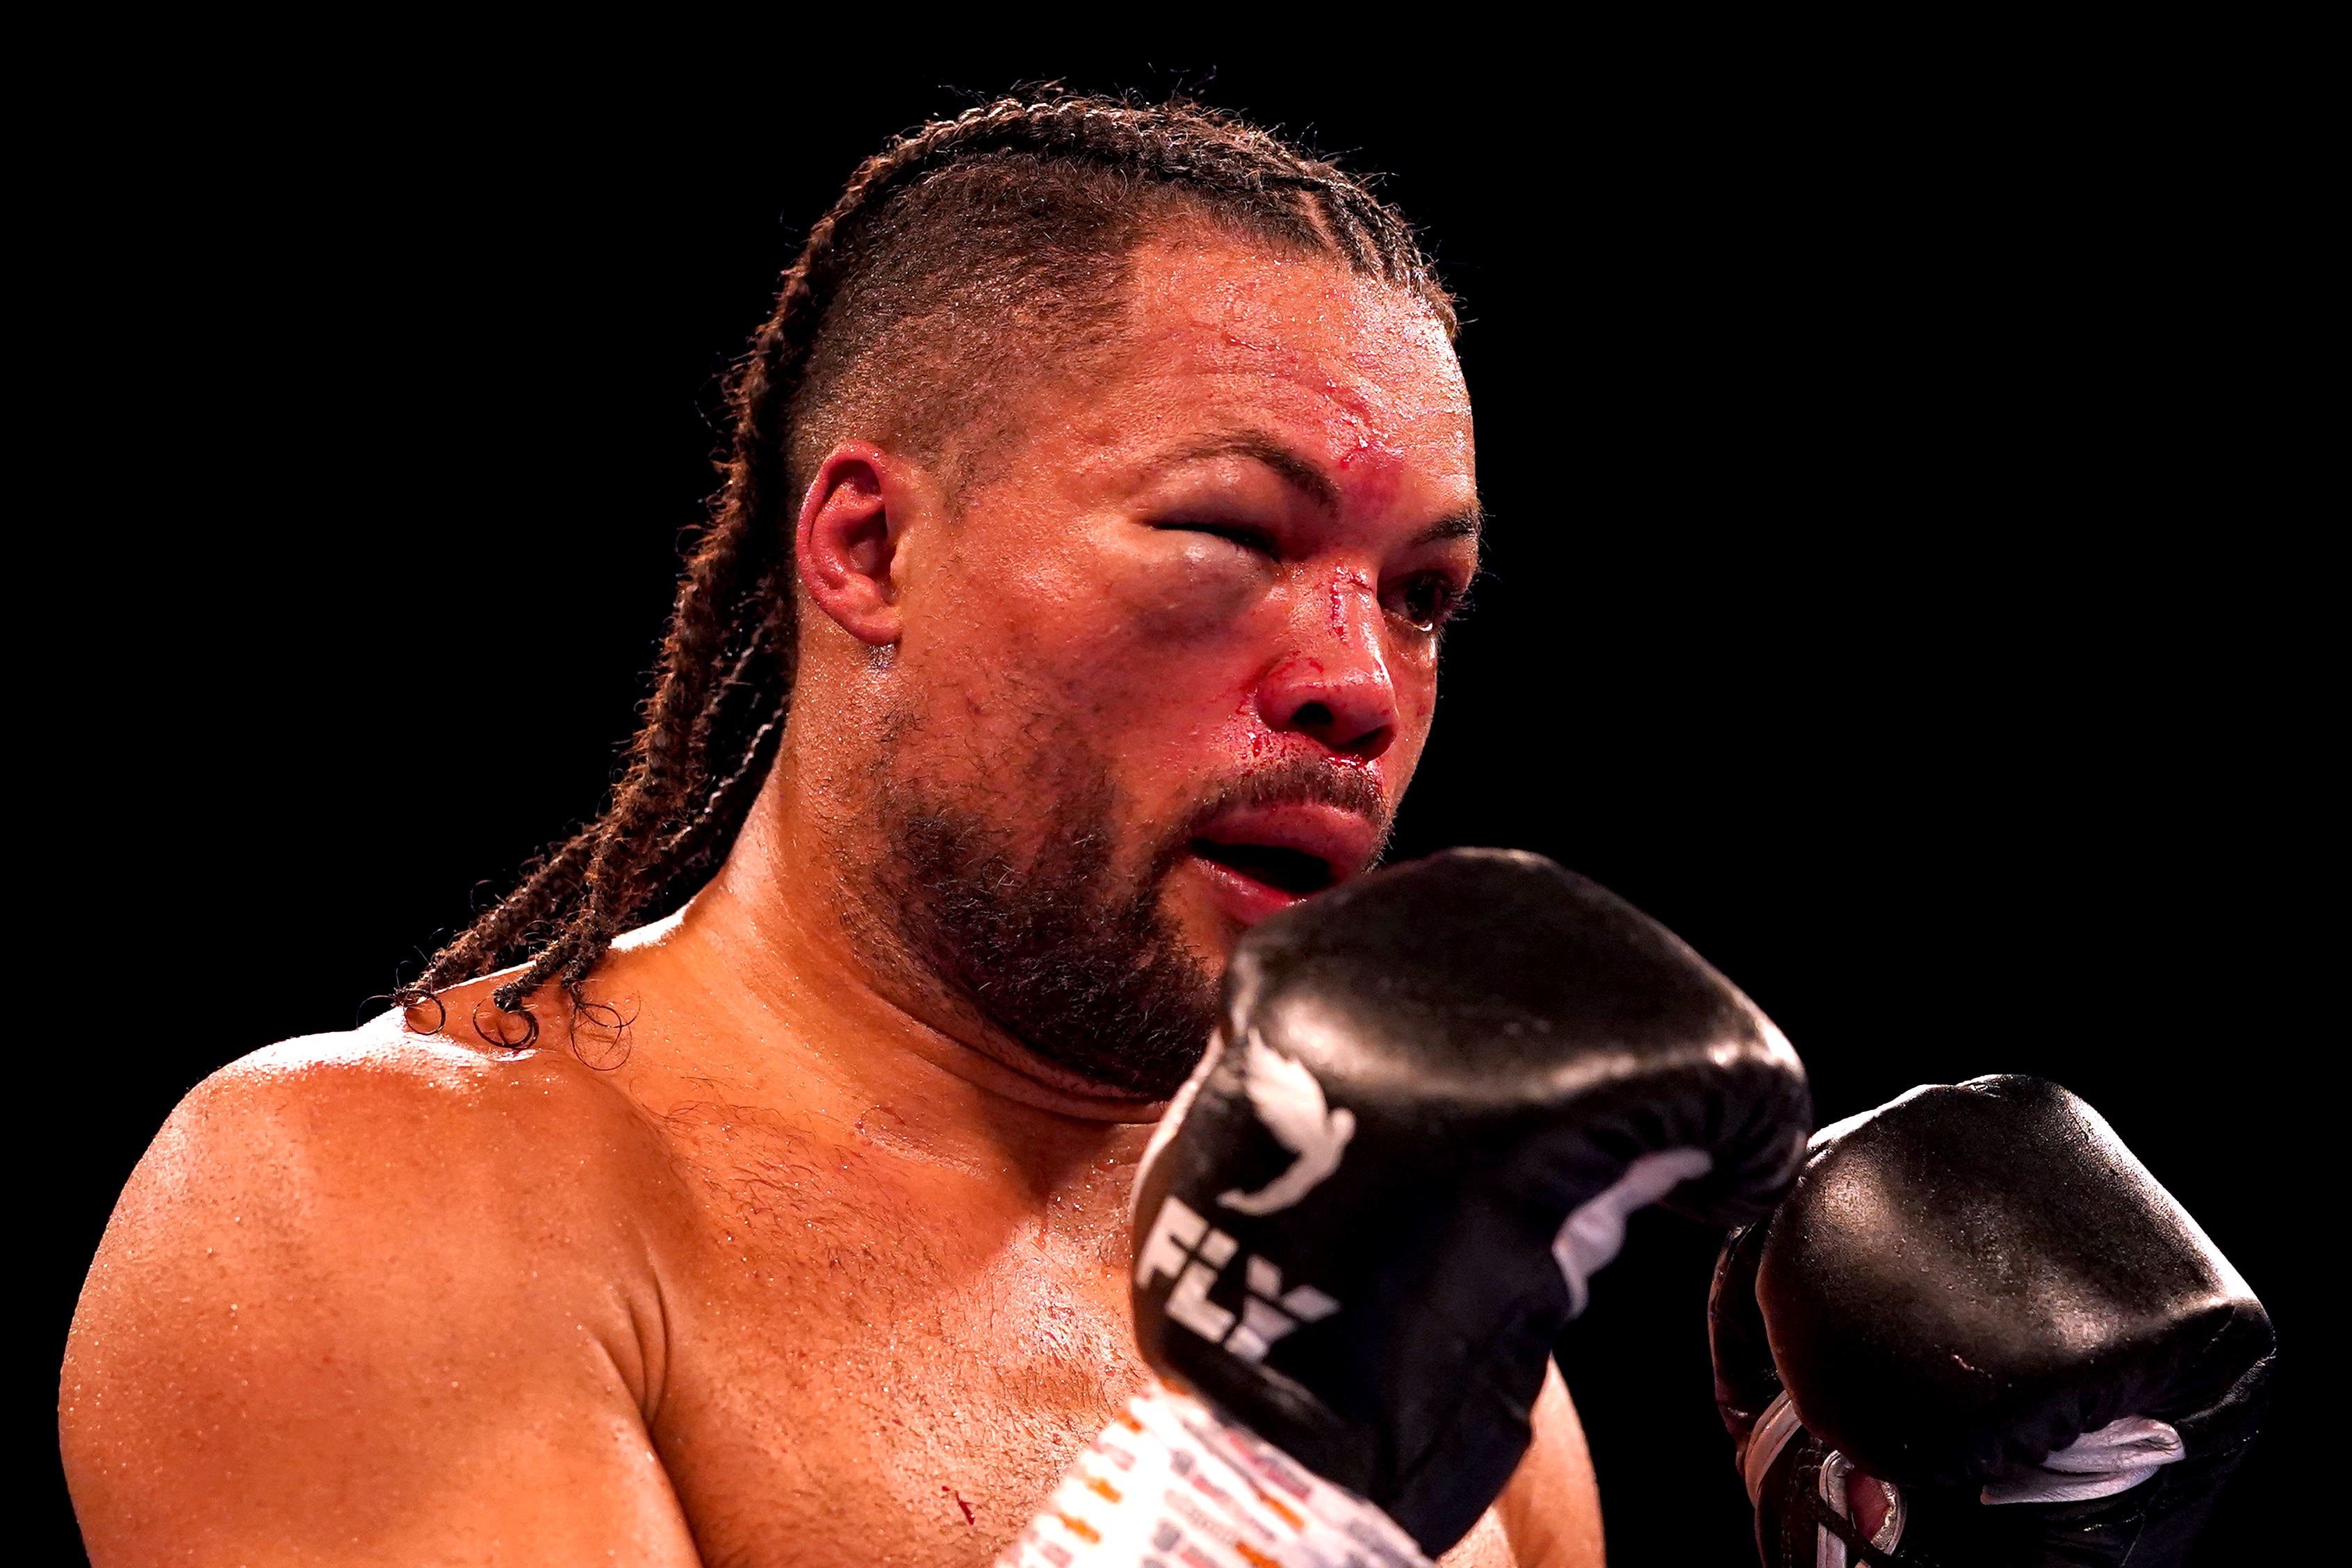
(847, 546)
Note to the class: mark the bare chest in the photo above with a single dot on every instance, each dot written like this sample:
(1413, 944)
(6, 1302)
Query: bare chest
(864, 1367)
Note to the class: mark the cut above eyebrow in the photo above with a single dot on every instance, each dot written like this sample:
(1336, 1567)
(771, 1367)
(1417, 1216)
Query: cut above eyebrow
(1300, 474)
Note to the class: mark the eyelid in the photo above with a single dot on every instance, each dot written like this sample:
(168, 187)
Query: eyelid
(1245, 535)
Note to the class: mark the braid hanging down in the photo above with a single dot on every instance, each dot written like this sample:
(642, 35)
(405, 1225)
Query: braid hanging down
(1008, 171)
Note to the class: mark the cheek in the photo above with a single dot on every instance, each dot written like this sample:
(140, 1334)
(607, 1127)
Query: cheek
(1146, 641)
(1412, 668)
(1153, 623)
(1412, 677)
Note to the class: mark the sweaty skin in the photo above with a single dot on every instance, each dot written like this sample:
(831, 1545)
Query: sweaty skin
(808, 1264)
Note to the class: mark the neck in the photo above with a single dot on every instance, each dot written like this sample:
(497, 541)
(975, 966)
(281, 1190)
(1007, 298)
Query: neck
(774, 993)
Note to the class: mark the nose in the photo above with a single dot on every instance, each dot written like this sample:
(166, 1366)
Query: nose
(1333, 686)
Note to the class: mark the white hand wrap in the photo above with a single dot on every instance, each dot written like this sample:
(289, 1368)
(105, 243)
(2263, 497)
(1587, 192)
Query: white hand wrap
(2115, 1458)
(1170, 1485)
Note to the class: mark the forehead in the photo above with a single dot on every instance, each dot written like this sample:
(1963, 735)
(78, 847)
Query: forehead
(1223, 334)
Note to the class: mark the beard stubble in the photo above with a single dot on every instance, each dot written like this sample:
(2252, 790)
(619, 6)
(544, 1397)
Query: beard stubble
(1072, 956)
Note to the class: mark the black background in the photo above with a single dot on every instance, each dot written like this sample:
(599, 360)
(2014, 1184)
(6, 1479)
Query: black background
(1897, 580)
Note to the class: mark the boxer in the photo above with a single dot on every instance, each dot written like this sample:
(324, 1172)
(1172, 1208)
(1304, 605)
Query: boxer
(1097, 496)
(1978, 1334)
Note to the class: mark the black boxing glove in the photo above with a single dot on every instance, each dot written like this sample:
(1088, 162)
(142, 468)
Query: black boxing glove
(1432, 1098)
(1978, 1334)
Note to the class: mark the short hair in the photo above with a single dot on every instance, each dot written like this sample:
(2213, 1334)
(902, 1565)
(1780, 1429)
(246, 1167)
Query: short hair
(949, 256)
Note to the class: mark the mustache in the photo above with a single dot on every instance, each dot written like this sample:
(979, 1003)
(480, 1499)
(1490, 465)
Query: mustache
(1297, 782)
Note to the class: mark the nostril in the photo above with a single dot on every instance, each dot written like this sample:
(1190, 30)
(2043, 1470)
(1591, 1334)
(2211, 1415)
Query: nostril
(1351, 734)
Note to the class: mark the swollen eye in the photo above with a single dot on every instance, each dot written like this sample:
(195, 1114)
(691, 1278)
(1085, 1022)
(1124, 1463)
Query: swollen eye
(1254, 540)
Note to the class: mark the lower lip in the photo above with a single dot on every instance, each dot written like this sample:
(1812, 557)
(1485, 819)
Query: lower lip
(1242, 896)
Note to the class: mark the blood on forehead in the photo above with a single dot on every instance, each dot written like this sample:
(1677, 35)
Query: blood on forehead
(1370, 475)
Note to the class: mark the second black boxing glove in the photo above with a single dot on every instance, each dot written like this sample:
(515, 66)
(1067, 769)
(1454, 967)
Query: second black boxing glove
(1434, 1096)
(1978, 1334)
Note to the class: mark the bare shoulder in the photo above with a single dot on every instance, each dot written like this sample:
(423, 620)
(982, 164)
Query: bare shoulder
(363, 1173)
(1551, 1511)
(340, 1136)
(341, 1256)
(1549, 1514)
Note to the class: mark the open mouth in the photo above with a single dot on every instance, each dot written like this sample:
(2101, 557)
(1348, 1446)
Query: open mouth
(1292, 871)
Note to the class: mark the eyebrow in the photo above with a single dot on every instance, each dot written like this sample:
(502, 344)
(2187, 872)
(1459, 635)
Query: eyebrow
(1468, 523)
(1301, 475)
(1289, 467)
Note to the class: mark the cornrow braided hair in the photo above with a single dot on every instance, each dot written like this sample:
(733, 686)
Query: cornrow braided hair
(724, 682)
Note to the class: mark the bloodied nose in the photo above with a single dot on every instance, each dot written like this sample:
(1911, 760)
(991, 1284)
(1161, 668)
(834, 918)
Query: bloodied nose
(1335, 689)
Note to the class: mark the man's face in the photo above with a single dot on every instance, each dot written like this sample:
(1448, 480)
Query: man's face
(1175, 661)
